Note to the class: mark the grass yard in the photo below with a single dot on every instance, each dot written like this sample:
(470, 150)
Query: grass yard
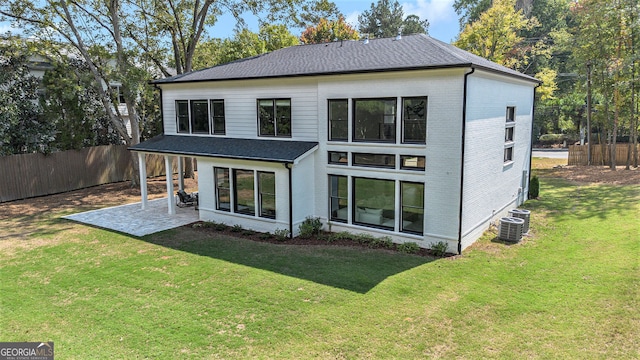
(570, 291)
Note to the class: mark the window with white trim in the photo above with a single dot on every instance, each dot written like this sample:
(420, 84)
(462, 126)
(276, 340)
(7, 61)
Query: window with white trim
(267, 194)
(509, 133)
(223, 189)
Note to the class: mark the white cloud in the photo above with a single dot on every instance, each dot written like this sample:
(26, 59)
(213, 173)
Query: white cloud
(436, 11)
(352, 19)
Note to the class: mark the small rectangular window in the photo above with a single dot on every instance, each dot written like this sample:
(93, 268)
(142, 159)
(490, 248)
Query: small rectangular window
(511, 113)
(375, 160)
(199, 116)
(338, 120)
(267, 194)
(274, 117)
(508, 134)
(217, 116)
(339, 199)
(412, 199)
(374, 120)
(243, 181)
(411, 162)
(338, 158)
(182, 116)
(508, 154)
(414, 120)
(223, 189)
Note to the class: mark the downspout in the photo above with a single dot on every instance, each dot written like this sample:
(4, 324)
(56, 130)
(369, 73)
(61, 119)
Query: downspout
(464, 126)
(533, 117)
(288, 166)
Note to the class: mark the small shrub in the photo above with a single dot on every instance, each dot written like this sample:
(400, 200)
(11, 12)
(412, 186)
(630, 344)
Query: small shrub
(365, 238)
(310, 226)
(534, 187)
(381, 242)
(281, 234)
(221, 227)
(248, 232)
(439, 249)
(265, 236)
(344, 235)
(408, 248)
(236, 228)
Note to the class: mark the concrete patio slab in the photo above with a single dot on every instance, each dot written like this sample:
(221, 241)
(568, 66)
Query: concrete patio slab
(131, 219)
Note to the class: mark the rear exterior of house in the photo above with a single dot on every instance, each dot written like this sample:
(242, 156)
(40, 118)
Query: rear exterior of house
(409, 138)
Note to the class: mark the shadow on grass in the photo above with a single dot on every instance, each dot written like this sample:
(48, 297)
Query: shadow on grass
(353, 269)
(584, 202)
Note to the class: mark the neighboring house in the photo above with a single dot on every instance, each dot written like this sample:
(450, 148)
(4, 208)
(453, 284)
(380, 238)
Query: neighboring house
(409, 137)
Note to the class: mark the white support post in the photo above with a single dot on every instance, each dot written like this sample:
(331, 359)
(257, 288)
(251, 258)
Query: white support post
(180, 173)
(168, 167)
(142, 164)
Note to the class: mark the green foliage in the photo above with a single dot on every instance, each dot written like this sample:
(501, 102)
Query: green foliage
(328, 31)
(265, 236)
(534, 187)
(311, 226)
(386, 18)
(23, 128)
(408, 248)
(237, 228)
(439, 248)
(281, 234)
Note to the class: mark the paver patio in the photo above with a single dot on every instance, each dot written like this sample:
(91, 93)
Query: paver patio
(131, 219)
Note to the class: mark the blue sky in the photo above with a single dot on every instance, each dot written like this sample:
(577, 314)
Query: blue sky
(440, 13)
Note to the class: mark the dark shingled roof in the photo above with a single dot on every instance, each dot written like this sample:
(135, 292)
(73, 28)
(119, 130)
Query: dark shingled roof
(412, 52)
(248, 149)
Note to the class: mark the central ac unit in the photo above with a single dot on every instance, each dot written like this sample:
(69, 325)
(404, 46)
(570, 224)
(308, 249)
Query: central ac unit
(510, 229)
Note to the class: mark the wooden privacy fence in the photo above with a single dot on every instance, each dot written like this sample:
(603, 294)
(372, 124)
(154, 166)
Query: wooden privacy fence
(29, 175)
(578, 154)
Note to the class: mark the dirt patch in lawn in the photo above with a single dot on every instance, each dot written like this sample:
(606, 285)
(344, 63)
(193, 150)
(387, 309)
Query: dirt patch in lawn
(594, 174)
(90, 198)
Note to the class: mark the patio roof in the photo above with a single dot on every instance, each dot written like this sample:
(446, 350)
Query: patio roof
(282, 151)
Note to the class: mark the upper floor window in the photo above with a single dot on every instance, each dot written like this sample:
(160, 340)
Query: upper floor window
(182, 115)
(217, 116)
(412, 162)
(117, 90)
(274, 117)
(414, 120)
(196, 116)
(339, 120)
(199, 116)
(374, 120)
(511, 113)
(375, 160)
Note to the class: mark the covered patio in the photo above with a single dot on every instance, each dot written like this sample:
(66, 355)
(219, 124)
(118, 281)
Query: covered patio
(134, 220)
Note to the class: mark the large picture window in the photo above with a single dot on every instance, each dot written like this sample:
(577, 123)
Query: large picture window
(339, 198)
(414, 120)
(199, 116)
(274, 117)
(374, 120)
(339, 120)
(244, 192)
(223, 189)
(374, 201)
(182, 116)
(217, 116)
(267, 194)
(412, 215)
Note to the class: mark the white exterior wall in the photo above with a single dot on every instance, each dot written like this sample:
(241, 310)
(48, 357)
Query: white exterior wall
(491, 186)
(207, 197)
(241, 110)
(444, 91)
(303, 191)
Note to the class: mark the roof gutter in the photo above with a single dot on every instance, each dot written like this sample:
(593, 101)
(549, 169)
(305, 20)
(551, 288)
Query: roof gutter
(464, 129)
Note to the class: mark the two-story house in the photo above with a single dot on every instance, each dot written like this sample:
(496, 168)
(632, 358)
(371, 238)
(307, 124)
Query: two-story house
(405, 137)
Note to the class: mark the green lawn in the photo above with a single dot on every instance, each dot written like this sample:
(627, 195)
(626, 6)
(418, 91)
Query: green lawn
(571, 291)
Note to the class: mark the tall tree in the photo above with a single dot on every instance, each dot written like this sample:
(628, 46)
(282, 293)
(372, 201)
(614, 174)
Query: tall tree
(386, 19)
(95, 31)
(23, 128)
(327, 31)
